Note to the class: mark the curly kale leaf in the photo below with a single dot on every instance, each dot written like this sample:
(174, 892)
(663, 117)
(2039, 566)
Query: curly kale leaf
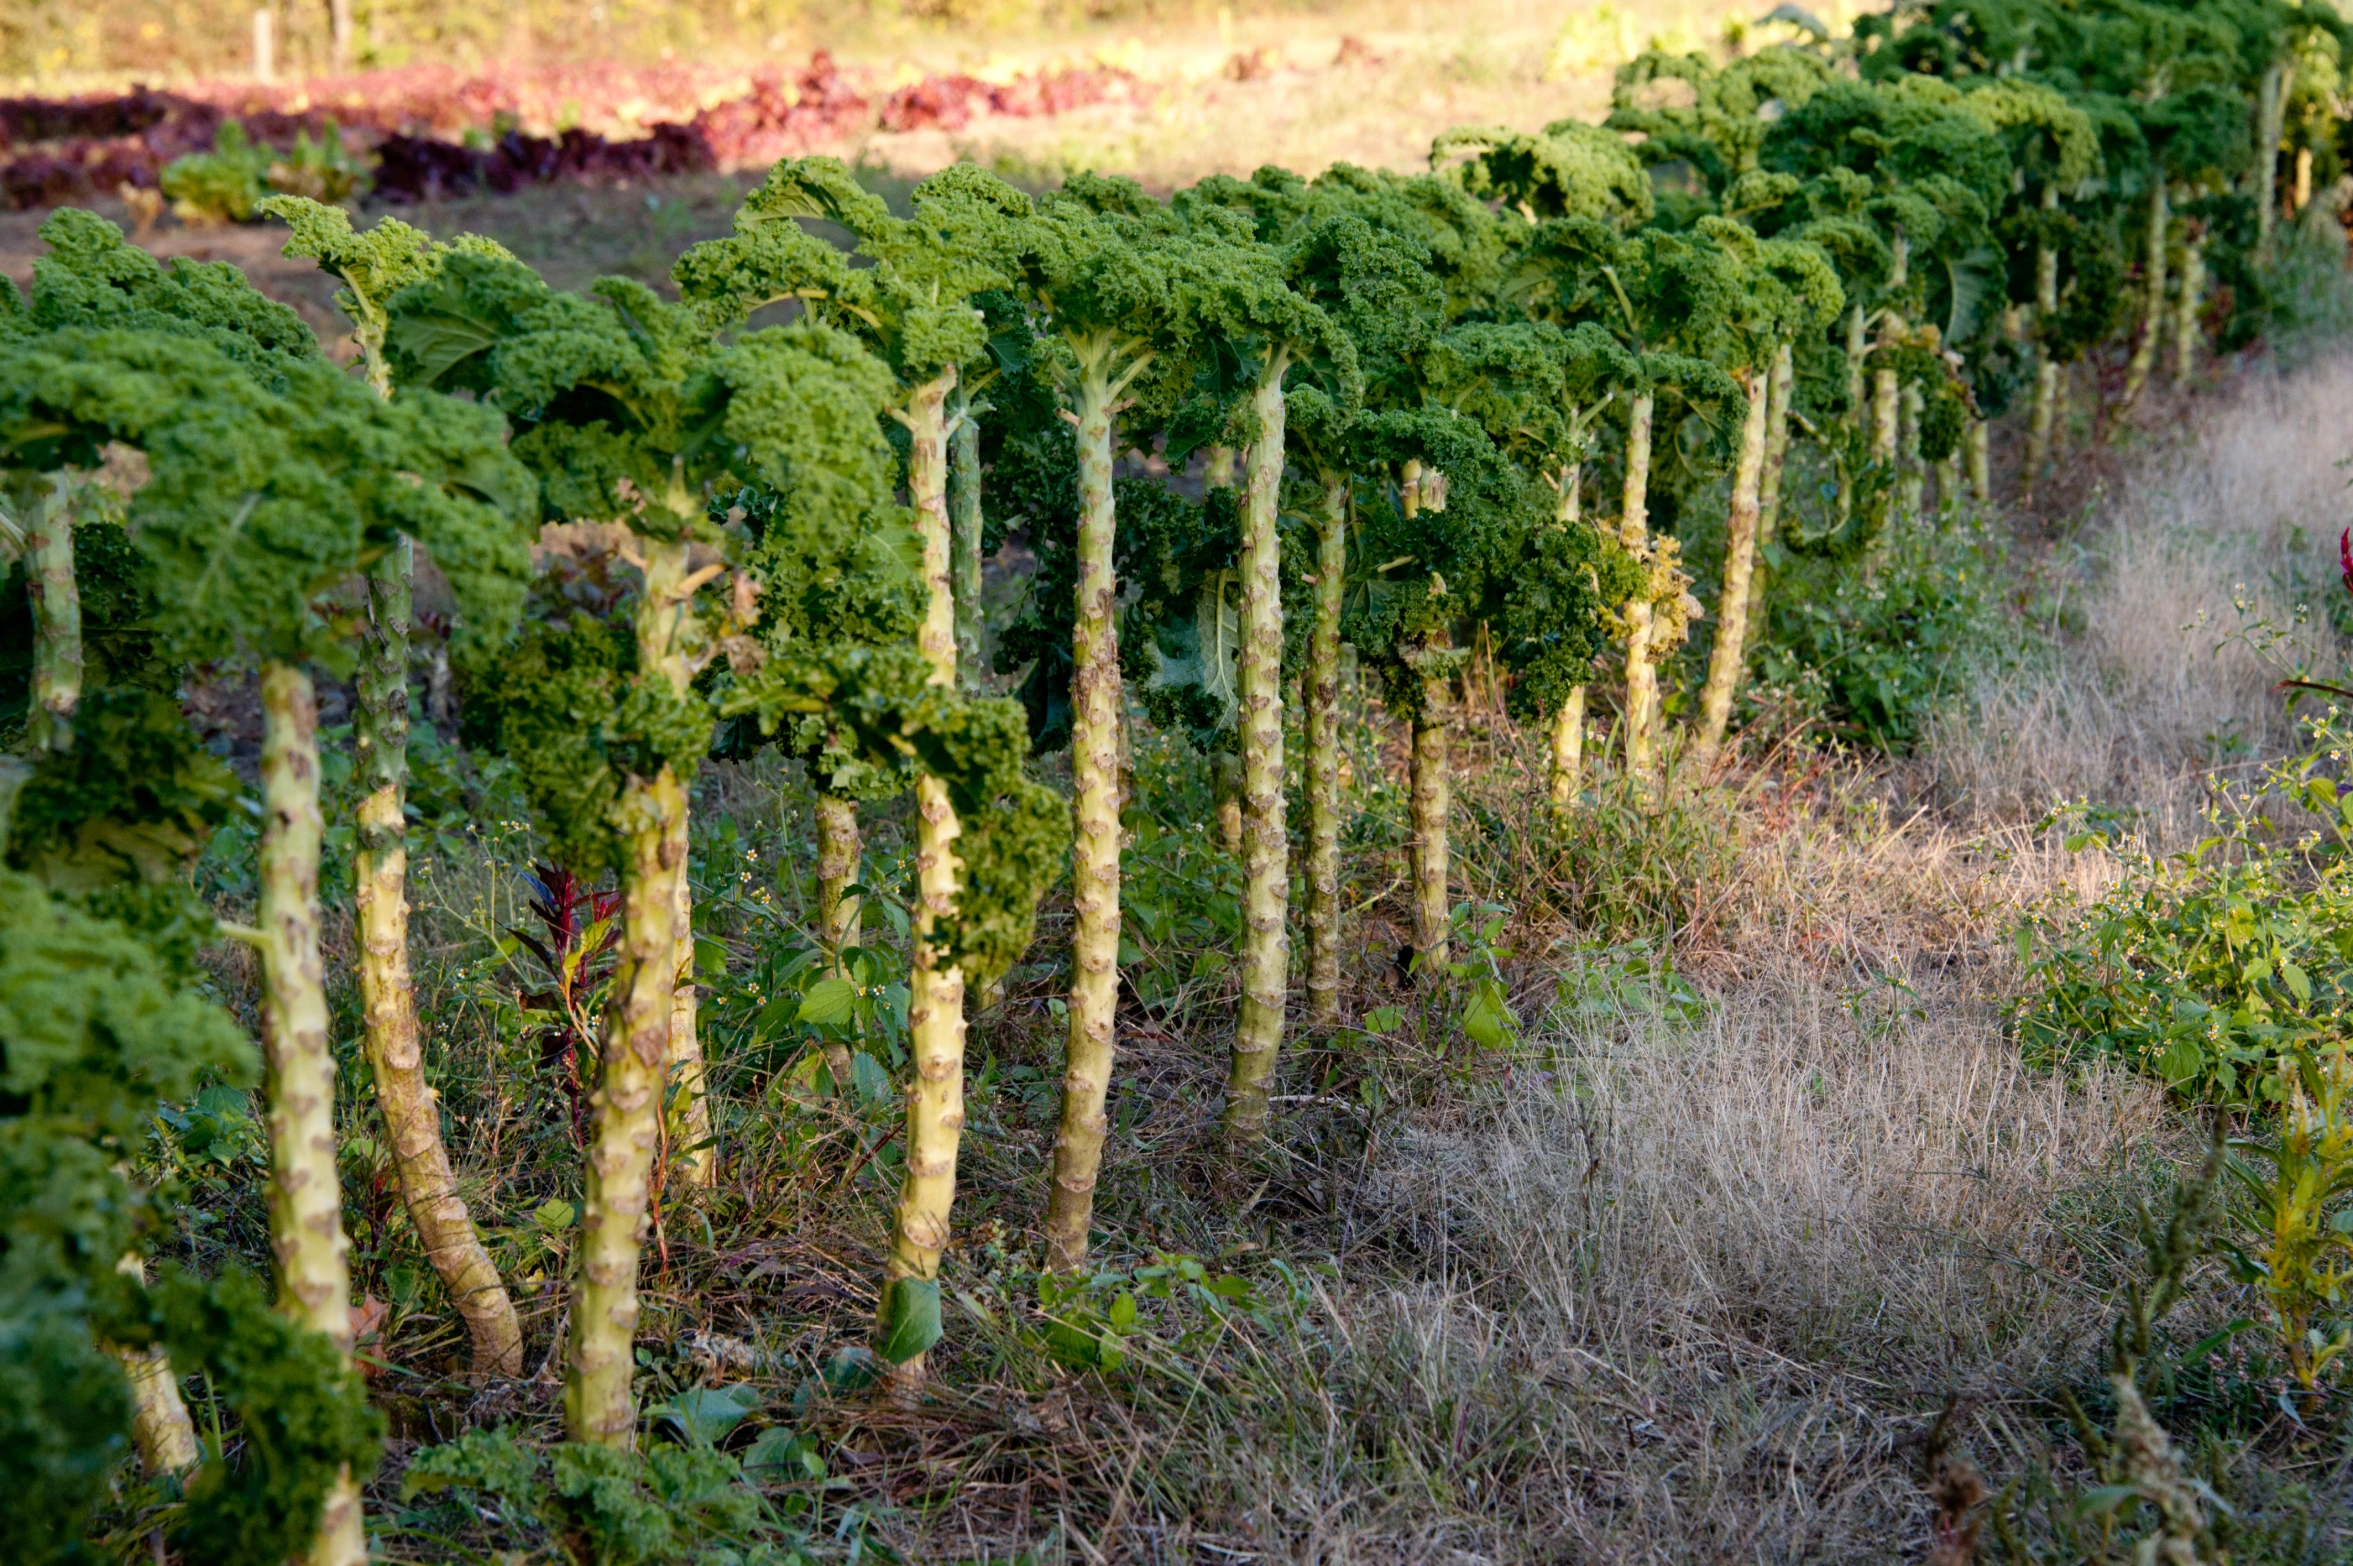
(882, 706)
(116, 821)
(569, 705)
(257, 503)
(65, 1416)
(373, 266)
(1570, 170)
(94, 278)
(94, 1028)
(303, 1417)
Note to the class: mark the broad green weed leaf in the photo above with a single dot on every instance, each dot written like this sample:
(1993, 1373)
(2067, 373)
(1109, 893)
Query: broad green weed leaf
(782, 1456)
(2182, 1061)
(829, 1003)
(2105, 1499)
(1074, 1346)
(873, 1083)
(706, 1414)
(849, 1368)
(910, 1318)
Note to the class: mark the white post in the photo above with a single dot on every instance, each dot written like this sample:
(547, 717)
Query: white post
(265, 45)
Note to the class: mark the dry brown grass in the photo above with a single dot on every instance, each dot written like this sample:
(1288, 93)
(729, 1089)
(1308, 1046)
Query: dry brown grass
(2231, 522)
(1684, 1288)
(1779, 1239)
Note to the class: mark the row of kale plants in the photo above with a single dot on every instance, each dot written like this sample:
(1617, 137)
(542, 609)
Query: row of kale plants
(1468, 412)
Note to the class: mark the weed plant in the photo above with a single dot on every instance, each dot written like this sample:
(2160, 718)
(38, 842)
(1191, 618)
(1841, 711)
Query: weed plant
(1627, 864)
(1875, 646)
(226, 184)
(2210, 966)
(2306, 294)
